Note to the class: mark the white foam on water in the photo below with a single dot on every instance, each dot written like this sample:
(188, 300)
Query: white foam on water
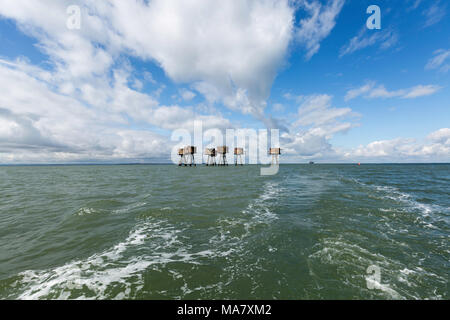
(233, 234)
(427, 212)
(150, 245)
(92, 272)
(86, 211)
(348, 258)
(256, 213)
(260, 208)
(385, 288)
(351, 260)
(100, 272)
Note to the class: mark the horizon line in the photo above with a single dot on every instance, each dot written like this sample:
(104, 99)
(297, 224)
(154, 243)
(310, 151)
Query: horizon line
(167, 163)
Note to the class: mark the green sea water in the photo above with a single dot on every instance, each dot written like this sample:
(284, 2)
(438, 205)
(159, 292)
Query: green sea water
(165, 232)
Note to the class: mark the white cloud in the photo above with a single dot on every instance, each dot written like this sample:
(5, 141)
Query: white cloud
(88, 106)
(19, 131)
(232, 46)
(420, 91)
(318, 25)
(440, 60)
(316, 122)
(441, 136)
(370, 91)
(139, 144)
(436, 147)
(353, 93)
(384, 148)
(149, 77)
(316, 111)
(278, 107)
(229, 51)
(415, 4)
(305, 145)
(41, 124)
(434, 14)
(187, 95)
(385, 38)
(309, 138)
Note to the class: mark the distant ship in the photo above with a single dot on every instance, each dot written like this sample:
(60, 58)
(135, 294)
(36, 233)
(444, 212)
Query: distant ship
(311, 162)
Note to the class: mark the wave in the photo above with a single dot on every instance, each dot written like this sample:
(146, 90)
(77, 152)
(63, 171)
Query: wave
(122, 265)
(100, 272)
(397, 280)
(258, 212)
(429, 214)
(90, 210)
(85, 211)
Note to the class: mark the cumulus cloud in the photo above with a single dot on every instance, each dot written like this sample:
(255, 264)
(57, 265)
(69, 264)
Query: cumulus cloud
(316, 110)
(316, 122)
(441, 136)
(187, 95)
(89, 104)
(37, 119)
(435, 147)
(229, 51)
(19, 131)
(371, 90)
(231, 47)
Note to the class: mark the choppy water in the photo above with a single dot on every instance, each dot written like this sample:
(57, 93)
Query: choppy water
(163, 232)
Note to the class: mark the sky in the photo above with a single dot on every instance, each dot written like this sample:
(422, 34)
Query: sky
(112, 84)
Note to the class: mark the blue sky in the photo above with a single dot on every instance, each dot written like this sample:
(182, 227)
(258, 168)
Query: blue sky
(116, 89)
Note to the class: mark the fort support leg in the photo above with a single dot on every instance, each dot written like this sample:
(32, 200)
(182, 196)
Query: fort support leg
(274, 159)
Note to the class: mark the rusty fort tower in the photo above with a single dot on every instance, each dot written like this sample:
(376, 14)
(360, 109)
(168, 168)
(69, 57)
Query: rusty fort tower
(222, 152)
(238, 152)
(211, 153)
(182, 159)
(275, 153)
(187, 156)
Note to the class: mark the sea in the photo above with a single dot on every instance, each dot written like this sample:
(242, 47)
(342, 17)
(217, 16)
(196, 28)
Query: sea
(323, 231)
